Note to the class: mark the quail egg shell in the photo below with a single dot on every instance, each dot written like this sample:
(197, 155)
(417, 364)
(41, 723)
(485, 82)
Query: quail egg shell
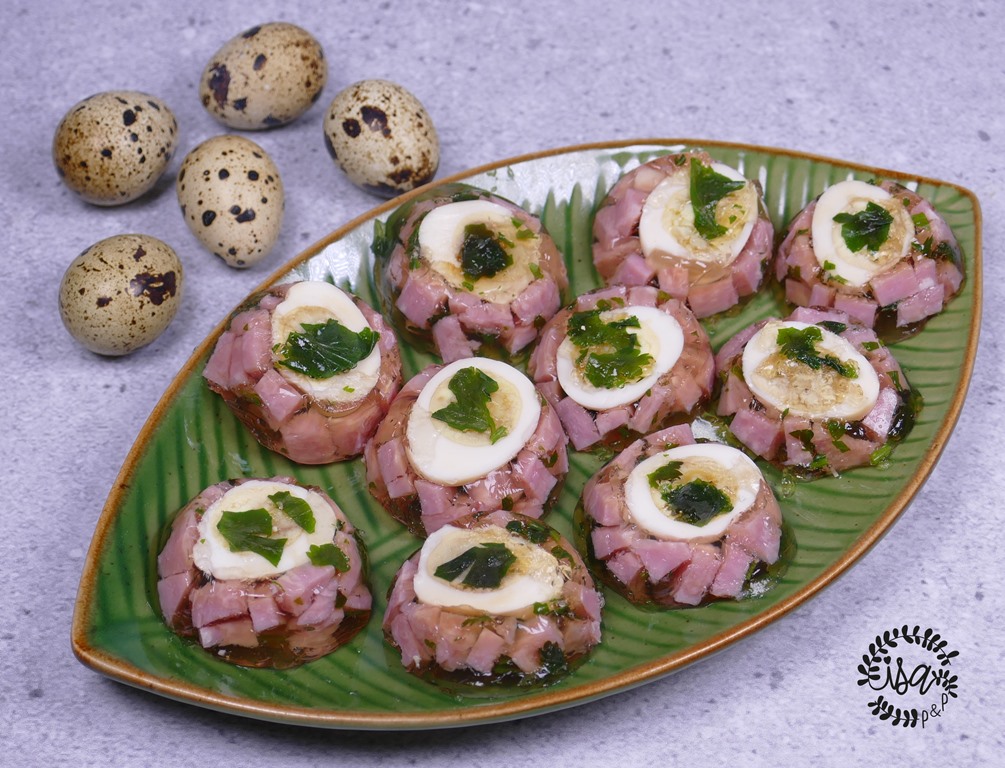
(267, 76)
(382, 137)
(231, 197)
(113, 146)
(121, 293)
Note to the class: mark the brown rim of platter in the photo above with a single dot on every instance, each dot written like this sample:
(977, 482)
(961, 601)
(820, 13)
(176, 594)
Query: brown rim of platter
(548, 700)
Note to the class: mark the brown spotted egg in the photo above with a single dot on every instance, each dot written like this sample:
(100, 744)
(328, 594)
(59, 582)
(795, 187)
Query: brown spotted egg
(382, 137)
(121, 293)
(268, 75)
(112, 147)
(231, 197)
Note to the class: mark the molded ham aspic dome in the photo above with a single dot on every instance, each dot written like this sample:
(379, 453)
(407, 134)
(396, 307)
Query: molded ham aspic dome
(493, 599)
(264, 573)
(816, 392)
(693, 227)
(879, 253)
(462, 272)
(672, 523)
(309, 369)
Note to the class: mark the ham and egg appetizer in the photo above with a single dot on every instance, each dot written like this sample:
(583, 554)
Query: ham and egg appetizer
(695, 228)
(264, 573)
(671, 522)
(493, 599)
(620, 363)
(878, 252)
(815, 392)
(466, 273)
(309, 369)
(471, 436)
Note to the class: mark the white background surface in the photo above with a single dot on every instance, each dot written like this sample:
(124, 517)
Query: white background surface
(914, 87)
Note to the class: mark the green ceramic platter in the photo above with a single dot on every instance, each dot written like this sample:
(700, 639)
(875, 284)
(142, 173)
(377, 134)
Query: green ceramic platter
(191, 440)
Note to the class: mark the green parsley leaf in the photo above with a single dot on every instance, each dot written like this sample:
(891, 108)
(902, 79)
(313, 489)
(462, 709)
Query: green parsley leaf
(833, 326)
(535, 270)
(482, 255)
(295, 508)
(611, 356)
(483, 566)
(470, 411)
(665, 474)
(800, 344)
(553, 661)
(534, 532)
(696, 502)
(328, 554)
(837, 431)
(868, 228)
(249, 531)
(707, 188)
(322, 350)
(920, 220)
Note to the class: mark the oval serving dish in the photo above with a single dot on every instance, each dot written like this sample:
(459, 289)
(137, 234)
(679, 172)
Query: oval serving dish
(191, 440)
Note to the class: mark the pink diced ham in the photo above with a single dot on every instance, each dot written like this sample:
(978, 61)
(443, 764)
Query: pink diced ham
(758, 432)
(894, 285)
(924, 303)
(451, 341)
(238, 632)
(422, 298)
(539, 299)
(660, 558)
(218, 600)
(280, 399)
(695, 579)
(732, 572)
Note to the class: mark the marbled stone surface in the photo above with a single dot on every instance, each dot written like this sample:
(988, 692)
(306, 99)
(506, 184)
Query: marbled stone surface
(915, 87)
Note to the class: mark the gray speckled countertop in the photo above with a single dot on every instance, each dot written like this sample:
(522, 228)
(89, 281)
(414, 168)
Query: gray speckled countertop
(913, 87)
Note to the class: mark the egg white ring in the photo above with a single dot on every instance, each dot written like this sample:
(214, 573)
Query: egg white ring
(660, 335)
(829, 246)
(648, 515)
(212, 553)
(765, 343)
(675, 191)
(516, 593)
(318, 302)
(432, 450)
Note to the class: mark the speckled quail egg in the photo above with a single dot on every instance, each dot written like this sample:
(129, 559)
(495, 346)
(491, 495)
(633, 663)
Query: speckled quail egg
(382, 137)
(232, 199)
(113, 146)
(121, 293)
(268, 75)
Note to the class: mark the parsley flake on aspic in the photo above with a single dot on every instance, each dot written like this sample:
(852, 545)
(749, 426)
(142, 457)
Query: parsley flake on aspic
(800, 344)
(328, 554)
(610, 356)
(249, 531)
(295, 508)
(869, 228)
(483, 253)
(483, 566)
(695, 502)
(708, 187)
(470, 412)
(322, 350)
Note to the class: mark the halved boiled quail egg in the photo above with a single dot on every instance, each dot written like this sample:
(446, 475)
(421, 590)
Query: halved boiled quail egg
(468, 557)
(692, 491)
(659, 336)
(809, 371)
(859, 231)
(316, 303)
(480, 246)
(228, 540)
(669, 224)
(472, 417)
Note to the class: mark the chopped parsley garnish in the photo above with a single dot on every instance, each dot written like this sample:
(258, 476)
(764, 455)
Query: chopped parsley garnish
(249, 531)
(837, 431)
(295, 508)
(535, 270)
(881, 454)
(482, 566)
(328, 554)
(470, 411)
(833, 326)
(665, 474)
(322, 350)
(696, 502)
(920, 220)
(801, 344)
(868, 228)
(707, 188)
(553, 659)
(482, 255)
(536, 533)
(610, 356)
